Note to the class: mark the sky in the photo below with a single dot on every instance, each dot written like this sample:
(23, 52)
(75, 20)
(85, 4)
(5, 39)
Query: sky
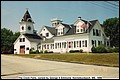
(43, 11)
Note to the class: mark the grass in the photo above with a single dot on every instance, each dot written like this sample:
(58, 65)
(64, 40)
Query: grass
(107, 59)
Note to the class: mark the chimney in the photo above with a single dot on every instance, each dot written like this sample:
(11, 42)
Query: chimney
(79, 17)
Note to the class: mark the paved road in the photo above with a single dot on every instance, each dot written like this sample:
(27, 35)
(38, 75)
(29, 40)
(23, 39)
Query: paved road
(14, 66)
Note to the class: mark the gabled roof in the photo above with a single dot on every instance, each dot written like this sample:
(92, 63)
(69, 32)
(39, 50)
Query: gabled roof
(27, 17)
(33, 37)
(51, 30)
(91, 25)
(71, 30)
(66, 25)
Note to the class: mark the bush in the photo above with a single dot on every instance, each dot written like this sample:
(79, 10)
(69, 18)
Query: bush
(99, 49)
(81, 51)
(116, 49)
(93, 49)
(73, 51)
(45, 51)
(37, 51)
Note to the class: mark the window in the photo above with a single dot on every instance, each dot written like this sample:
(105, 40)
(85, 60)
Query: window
(23, 39)
(74, 44)
(93, 32)
(95, 43)
(14, 49)
(20, 39)
(55, 45)
(98, 42)
(84, 29)
(80, 43)
(60, 45)
(81, 30)
(85, 43)
(92, 42)
(77, 44)
(77, 30)
(61, 32)
(29, 28)
(64, 44)
(97, 34)
(69, 44)
(27, 48)
(22, 27)
(40, 34)
(48, 46)
(47, 34)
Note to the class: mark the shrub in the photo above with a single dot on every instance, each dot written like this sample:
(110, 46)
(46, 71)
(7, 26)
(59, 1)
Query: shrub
(50, 52)
(81, 51)
(37, 51)
(99, 49)
(45, 51)
(73, 51)
(93, 49)
(41, 52)
(116, 49)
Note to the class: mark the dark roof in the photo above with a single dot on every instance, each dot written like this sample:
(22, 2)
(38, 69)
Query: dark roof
(51, 40)
(71, 30)
(51, 29)
(66, 25)
(27, 17)
(91, 25)
(33, 37)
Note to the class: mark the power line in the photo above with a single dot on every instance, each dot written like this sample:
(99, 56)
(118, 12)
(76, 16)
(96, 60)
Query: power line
(112, 6)
(102, 6)
(112, 3)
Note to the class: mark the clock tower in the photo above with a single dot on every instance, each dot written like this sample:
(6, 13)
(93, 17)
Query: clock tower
(26, 24)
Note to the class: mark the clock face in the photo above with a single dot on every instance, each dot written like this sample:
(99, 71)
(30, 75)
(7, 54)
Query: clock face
(29, 28)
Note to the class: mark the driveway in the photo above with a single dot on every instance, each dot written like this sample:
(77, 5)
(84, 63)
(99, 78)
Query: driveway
(14, 66)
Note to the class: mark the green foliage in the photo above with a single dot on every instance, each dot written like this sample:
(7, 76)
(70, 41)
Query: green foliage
(93, 49)
(99, 49)
(73, 51)
(111, 28)
(45, 51)
(103, 49)
(81, 51)
(7, 40)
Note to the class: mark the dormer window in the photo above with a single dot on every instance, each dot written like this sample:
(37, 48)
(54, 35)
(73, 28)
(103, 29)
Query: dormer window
(47, 34)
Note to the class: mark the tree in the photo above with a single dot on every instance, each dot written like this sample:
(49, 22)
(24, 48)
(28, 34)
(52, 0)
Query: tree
(15, 36)
(111, 28)
(7, 40)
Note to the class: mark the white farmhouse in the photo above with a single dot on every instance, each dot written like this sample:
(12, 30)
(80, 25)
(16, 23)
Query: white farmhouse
(61, 37)
(65, 37)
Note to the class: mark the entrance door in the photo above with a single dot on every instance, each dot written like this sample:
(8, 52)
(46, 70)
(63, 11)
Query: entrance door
(22, 49)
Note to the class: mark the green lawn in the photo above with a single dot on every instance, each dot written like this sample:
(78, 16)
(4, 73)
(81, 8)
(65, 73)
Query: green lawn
(107, 59)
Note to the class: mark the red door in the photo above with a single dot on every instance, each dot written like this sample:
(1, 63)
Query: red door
(22, 49)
